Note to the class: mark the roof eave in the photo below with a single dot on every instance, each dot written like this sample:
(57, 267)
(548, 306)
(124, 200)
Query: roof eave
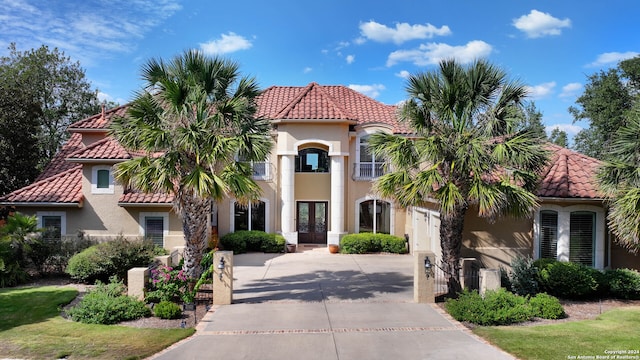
(95, 161)
(568, 199)
(127, 204)
(314, 121)
(47, 204)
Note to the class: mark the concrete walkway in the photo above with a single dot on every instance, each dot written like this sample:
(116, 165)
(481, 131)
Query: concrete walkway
(316, 305)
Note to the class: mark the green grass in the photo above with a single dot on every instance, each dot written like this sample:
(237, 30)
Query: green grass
(614, 330)
(31, 327)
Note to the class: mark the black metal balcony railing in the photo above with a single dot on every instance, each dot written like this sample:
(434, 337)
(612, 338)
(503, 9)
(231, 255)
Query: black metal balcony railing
(262, 170)
(367, 171)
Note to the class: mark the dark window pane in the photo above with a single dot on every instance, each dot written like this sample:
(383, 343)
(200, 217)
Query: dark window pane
(53, 226)
(257, 216)
(312, 160)
(103, 179)
(548, 234)
(241, 218)
(154, 229)
(581, 237)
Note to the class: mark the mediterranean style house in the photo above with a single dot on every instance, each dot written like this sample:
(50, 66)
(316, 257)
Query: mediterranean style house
(316, 187)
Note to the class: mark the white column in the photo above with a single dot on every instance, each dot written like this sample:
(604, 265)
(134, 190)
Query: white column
(287, 171)
(337, 200)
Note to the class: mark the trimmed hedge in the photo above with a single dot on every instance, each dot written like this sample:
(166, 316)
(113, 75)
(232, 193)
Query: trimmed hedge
(569, 280)
(364, 243)
(244, 241)
(113, 257)
(547, 307)
(623, 283)
(499, 307)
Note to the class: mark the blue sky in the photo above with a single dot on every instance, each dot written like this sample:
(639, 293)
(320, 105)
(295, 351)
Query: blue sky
(370, 46)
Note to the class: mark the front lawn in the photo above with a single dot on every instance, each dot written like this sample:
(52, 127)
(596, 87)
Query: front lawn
(615, 330)
(31, 327)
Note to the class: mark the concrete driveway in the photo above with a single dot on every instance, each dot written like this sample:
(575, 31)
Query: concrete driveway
(316, 305)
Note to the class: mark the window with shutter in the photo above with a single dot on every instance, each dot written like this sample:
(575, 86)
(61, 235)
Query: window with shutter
(154, 229)
(548, 234)
(582, 237)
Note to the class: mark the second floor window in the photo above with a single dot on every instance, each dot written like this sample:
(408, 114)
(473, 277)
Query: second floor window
(312, 160)
(369, 166)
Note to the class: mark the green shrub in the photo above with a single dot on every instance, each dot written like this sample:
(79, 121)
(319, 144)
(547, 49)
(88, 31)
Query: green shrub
(242, 241)
(499, 307)
(167, 310)
(569, 280)
(623, 283)
(114, 257)
(524, 276)
(107, 304)
(547, 307)
(364, 243)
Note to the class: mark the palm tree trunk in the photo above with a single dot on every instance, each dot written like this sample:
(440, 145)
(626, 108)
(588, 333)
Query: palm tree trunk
(194, 212)
(451, 227)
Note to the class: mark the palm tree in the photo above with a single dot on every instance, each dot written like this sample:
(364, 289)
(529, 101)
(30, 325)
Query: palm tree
(468, 151)
(619, 179)
(193, 120)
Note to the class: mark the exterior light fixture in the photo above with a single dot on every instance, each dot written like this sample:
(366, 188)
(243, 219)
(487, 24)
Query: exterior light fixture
(428, 267)
(221, 267)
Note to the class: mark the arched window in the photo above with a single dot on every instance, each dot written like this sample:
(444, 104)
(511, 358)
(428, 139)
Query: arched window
(374, 216)
(312, 160)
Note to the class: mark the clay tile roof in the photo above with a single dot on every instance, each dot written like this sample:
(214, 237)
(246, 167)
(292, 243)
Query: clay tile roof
(326, 102)
(105, 149)
(59, 163)
(142, 198)
(99, 121)
(569, 175)
(65, 187)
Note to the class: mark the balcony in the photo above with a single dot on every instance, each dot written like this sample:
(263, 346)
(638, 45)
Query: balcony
(262, 170)
(367, 171)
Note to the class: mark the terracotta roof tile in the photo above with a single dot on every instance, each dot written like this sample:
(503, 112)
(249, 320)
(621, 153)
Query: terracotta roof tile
(59, 163)
(326, 102)
(99, 121)
(142, 198)
(569, 175)
(65, 187)
(105, 149)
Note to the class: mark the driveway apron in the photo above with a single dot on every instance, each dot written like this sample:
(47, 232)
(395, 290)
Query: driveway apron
(316, 305)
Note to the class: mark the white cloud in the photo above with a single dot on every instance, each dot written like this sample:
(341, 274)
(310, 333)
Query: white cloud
(538, 24)
(227, 43)
(540, 91)
(401, 33)
(87, 31)
(612, 58)
(433, 53)
(104, 97)
(571, 90)
(350, 59)
(570, 129)
(403, 74)
(372, 91)
(307, 70)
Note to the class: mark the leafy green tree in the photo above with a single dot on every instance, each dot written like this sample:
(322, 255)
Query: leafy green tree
(619, 179)
(468, 153)
(57, 85)
(199, 113)
(607, 97)
(530, 118)
(19, 126)
(559, 137)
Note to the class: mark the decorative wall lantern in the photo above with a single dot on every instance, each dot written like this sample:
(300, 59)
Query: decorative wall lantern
(428, 267)
(221, 265)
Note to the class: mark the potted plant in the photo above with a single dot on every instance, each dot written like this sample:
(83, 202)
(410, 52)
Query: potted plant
(334, 248)
(291, 248)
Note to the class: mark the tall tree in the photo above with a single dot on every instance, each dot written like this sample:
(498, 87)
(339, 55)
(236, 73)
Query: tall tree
(530, 118)
(19, 126)
(469, 153)
(57, 85)
(559, 137)
(199, 113)
(607, 97)
(619, 179)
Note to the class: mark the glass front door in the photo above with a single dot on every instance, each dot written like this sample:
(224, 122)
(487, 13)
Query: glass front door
(312, 222)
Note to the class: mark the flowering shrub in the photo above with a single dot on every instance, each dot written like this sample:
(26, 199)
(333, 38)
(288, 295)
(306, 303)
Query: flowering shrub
(169, 284)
